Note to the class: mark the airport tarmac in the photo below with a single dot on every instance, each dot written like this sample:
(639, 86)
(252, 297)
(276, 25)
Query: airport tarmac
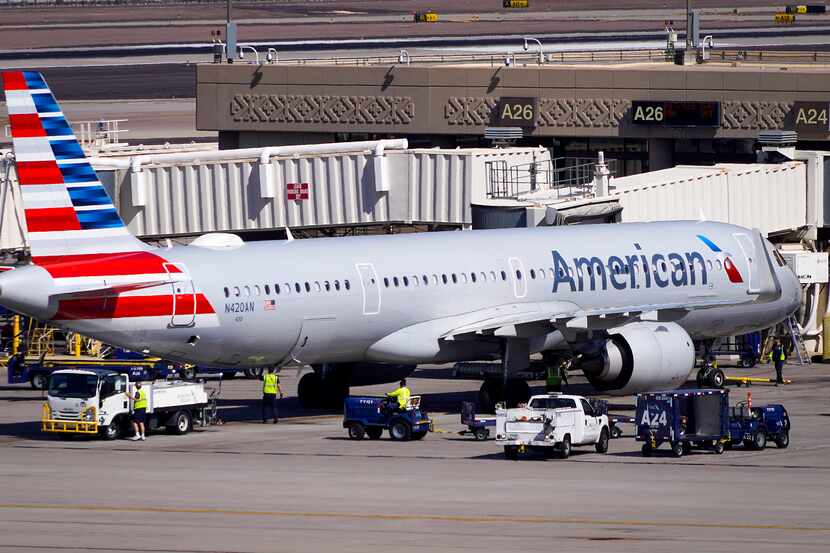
(302, 486)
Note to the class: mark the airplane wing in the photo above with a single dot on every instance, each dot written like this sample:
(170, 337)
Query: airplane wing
(524, 320)
(521, 320)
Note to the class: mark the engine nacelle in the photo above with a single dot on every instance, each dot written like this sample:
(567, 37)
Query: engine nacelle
(642, 356)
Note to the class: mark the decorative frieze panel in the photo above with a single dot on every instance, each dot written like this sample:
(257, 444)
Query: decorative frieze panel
(582, 112)
(754, 115)
(297, 108)
(469, 111)
(553, 112)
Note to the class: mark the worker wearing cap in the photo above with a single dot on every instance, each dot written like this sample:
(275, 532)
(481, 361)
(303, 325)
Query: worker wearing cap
(401, 394)
(778, 357)
(139, 411)
(270, 388)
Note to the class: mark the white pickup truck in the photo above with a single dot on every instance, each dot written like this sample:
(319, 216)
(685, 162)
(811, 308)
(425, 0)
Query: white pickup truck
(92, 401)
(549, 423)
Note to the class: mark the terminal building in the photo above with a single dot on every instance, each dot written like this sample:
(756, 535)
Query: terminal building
(647, 115)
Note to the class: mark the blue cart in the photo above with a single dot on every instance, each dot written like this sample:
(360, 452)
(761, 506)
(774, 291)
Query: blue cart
(755, 426)
(477, 426)
(370, 416)
(685, 419)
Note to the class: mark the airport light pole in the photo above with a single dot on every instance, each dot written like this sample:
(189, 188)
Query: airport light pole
(688, 24)
(541, 50)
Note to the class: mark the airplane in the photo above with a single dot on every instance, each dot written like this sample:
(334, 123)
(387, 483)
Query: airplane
(629, 299)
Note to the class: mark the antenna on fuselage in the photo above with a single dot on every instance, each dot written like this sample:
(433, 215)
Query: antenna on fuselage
(288, 234)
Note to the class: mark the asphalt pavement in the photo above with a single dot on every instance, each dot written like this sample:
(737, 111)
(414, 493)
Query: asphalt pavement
(302, 485)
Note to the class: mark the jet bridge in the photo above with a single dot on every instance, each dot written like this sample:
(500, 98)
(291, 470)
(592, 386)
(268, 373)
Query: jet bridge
(312, 189)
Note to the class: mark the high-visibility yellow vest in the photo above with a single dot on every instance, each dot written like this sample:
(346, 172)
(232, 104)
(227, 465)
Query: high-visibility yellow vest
(269, 383)
(402, 395)
(140, 400)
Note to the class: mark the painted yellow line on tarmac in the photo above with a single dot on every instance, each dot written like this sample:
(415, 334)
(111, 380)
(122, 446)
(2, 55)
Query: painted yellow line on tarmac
(467, 519)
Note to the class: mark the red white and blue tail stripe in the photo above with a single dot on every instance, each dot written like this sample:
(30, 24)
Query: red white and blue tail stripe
(99, 270)
(67, 210)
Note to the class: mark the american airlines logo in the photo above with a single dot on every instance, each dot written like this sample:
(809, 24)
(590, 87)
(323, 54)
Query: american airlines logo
(632, 271)
(638, 270)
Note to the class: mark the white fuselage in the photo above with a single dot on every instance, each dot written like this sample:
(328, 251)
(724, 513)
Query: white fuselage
(338, 299)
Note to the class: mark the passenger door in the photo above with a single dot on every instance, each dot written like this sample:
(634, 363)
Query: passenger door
(184, 295)
(371, 288)
(752, 261)
(517, 274)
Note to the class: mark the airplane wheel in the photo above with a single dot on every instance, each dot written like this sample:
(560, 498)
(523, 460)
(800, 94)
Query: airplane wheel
(518, 391)
(717, 379)
(309, 390)
(489, 395)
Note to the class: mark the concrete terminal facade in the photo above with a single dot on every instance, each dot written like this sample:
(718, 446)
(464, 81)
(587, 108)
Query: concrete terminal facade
(576, 110)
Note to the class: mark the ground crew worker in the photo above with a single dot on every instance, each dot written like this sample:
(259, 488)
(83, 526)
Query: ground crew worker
(778, 357)
(270, 388)
(139, 411)
(401, 394)
(556, 377)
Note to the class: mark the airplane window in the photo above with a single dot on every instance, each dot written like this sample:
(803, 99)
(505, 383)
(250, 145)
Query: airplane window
(267, 290)
(709, 264)
(247, 291)
(297, 287)
(493, 276)
(415, 281)
(276, 288)
(405, 281)
(346, 284)
(386, 282)
(307, 287)
(434, 278)
(533, 274)
(444, 278)
(287, 287)
(542, 274)
(337, 285)
(464, 278)
(503, 275)
(425, 280)
(720, 265)
(317, 286)
(473, 277)
(483, 276)
(227, 292)
(518, 275)
(257, 291)
(236, 291)
(395, 281)
(454, 279)
(327, 285)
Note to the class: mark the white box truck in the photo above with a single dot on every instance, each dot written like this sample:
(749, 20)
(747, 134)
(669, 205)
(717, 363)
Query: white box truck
(92, 401)
(551, 423)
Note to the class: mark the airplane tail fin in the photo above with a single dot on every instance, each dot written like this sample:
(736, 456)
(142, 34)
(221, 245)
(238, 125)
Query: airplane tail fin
(67, 210)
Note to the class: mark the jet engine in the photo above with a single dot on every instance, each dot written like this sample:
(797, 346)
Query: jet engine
(641, 356)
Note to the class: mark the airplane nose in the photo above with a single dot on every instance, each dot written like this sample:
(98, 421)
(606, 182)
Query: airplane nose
(27, 290)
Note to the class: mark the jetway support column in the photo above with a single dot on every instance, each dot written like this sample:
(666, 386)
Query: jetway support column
(660, 153)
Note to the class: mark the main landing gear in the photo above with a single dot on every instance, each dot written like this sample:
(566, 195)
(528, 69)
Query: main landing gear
(326, 391)
(495, 390)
